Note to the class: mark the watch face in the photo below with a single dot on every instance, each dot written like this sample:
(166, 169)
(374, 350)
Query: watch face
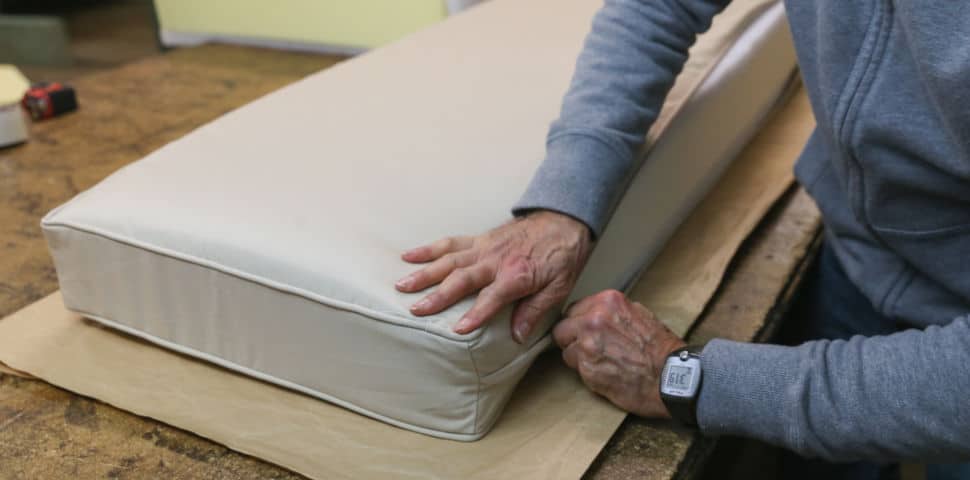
(681, 377)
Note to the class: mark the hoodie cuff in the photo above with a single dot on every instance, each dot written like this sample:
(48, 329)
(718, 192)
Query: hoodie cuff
(744, 390)
(581, 176)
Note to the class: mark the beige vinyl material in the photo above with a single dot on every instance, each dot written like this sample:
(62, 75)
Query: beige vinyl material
(13, 120)
(268, 241)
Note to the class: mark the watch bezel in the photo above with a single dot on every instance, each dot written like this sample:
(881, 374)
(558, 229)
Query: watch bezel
(695, 364)
(682, 404)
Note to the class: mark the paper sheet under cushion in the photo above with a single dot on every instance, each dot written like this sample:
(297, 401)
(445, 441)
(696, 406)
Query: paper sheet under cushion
(553, 427)
(681, 280)
(9, 371)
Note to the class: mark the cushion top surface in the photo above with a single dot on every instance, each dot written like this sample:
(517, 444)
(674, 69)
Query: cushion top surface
(316, 189)
(296, 189)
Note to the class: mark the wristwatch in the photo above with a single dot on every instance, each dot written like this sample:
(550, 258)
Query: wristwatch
(680, 383)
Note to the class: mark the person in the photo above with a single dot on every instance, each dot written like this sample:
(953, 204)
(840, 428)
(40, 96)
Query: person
(887, 376)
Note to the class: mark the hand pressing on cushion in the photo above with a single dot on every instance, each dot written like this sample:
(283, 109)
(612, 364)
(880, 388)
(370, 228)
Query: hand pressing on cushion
(534, 259)
(619, 349)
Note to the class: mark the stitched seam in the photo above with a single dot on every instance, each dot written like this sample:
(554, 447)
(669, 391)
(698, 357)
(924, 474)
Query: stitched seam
(478, 387)
(849, 128)
(385, 317)
(256, 374)
(855, 190)
(917, 233)
(852, 83)
(897, 280)
(878, 60)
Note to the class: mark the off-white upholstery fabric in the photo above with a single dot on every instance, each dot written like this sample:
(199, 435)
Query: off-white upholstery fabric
(268, 241)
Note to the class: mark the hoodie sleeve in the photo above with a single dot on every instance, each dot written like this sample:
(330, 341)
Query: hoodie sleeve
(901, 396)
(628, 64)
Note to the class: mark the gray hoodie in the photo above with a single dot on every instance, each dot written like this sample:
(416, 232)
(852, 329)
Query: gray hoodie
(888, 165)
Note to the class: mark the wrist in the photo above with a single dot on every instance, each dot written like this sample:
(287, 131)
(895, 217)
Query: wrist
(668, 348)
(562, 220)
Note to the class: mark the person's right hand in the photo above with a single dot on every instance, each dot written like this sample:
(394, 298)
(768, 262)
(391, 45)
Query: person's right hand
(534, 259)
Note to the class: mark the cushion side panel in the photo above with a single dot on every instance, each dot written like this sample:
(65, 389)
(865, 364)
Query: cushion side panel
(497, 387)
(408, 377)
(713, 126)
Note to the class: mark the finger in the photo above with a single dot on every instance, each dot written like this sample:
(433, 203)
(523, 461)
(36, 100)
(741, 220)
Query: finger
(513, 281)
(490, 301)
(427, 253)
(570, 355)
(532, 310)
(587, 349)
(584, 305)
(459, 284)
(566, 331)
(436, 272)
(587, 373)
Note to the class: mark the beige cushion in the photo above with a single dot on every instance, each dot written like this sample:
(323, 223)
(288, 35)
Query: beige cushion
(268, 241)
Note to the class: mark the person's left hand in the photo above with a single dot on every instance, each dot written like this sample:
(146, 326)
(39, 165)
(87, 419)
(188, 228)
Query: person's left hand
(619, 349)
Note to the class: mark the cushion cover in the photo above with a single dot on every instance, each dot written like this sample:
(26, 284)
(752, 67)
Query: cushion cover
(268, 241)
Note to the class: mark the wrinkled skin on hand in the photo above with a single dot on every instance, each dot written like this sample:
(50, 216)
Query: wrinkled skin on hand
(533, 260)
(619, 349)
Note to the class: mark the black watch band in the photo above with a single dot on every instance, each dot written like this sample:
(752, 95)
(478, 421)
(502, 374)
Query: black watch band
(683, 409)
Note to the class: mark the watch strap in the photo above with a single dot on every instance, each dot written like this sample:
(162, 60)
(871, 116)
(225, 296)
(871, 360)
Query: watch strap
(684, 411)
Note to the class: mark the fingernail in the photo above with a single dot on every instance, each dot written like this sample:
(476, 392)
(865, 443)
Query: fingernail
(520, 333)
(405, 282)
(463, 325)
(421, 305)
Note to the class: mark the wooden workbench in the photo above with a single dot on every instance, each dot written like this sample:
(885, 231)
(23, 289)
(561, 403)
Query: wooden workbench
(47, 432)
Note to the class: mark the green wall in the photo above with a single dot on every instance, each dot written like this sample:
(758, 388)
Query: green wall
(353, 23)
